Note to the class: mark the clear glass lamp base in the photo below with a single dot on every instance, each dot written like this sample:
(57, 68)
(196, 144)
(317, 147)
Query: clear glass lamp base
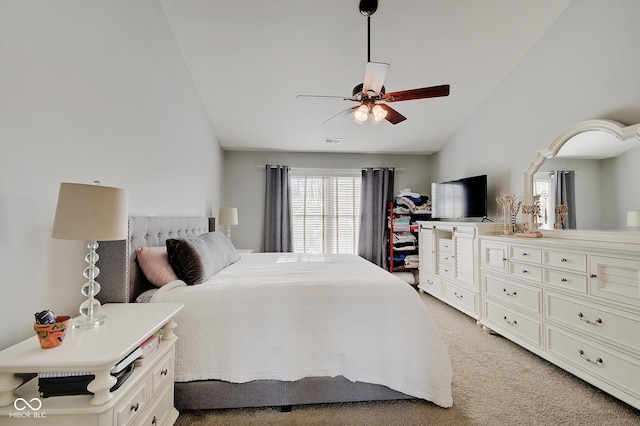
(87, 322)
(90, 308)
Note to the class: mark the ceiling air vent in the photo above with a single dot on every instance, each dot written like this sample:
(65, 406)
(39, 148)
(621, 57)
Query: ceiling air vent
(334, 141)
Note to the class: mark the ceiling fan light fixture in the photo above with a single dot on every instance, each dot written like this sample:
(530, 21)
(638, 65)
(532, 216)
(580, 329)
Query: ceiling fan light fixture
(361, 114)
(379, 113)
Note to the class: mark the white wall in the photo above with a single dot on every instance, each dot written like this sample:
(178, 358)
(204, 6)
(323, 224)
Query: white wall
(90, 89)
(584, 67)
(245, 183)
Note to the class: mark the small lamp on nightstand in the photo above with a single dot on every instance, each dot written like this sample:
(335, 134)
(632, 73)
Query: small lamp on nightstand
(228, 216)
(633, 219)
(91, 213)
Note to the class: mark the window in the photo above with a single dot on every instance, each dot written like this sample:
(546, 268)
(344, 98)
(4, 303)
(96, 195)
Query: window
(326, 210)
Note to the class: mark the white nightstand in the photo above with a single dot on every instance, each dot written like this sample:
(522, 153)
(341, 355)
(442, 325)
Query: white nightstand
(145, 397)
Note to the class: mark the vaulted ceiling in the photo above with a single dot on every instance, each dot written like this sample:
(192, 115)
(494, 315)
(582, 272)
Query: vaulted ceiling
(249, 59)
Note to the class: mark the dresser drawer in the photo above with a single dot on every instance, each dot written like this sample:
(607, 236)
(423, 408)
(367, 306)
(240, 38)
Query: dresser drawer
(617, 369)
(445, 245)
(446, 259)
(612, 325)
(512, 323)
(431, 284)
(525, 254)
(565, 260)
(128, 411)
(462, 297)
(565, 280)
(162, 372)
(448, 271)
(528, 272)
(525, 297)
(160, 410)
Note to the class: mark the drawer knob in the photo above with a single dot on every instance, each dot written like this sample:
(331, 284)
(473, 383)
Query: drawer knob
(524, 271)
(563, 260)
(135, 407)
(514, 322)
(586, 358)
(164, 372)
(588, 321)
(509, 294)
(524, 253)
(593, 276)
(154, 421)
(459, 296)
(564, 280)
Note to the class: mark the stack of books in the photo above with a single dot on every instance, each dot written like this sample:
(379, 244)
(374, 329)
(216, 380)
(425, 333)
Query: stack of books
(75, 383)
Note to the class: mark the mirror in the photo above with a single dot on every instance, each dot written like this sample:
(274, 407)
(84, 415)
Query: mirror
(599, 160)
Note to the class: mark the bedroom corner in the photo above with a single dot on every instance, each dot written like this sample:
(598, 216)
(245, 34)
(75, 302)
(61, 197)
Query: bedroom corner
(90, 91)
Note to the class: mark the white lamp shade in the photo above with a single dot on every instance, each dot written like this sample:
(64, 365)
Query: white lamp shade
(228, 216)
(91, 213)
(633, 218)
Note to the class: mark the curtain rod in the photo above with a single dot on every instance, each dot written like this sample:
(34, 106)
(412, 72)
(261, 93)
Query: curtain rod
(398, 169)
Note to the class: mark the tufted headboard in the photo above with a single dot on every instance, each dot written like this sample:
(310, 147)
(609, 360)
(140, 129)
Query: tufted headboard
(120, 277)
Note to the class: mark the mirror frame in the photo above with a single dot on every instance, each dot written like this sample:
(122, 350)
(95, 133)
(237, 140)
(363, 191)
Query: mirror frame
(615, 128)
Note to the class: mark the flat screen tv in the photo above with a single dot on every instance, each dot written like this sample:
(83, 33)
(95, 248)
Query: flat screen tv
(461, 198)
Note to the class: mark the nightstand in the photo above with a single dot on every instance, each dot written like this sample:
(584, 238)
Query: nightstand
(145, 397)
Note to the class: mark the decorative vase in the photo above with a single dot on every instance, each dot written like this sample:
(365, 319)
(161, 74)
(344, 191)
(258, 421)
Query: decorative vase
(52, 335)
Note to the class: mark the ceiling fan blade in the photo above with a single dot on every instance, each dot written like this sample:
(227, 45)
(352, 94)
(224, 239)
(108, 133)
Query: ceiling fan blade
(342, 113)
(425, 92)
(344, 98)
(374, 75)
(393, 116)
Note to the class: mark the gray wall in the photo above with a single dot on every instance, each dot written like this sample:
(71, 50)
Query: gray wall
(245, 182)
(584, 67)
(90, 89)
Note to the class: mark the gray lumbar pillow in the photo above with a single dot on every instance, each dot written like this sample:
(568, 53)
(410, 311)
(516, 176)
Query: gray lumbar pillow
(195, 259)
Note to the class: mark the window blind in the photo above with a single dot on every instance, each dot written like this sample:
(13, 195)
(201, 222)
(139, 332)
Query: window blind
(325, 213)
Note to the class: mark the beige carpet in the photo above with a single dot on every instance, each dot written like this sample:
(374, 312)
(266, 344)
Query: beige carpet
(495, 383)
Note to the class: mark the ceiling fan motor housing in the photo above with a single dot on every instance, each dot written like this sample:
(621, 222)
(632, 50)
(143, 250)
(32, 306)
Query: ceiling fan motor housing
(358, 90)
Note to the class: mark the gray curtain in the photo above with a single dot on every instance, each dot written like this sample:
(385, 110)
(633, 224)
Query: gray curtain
(563, 184)
(278, 232)
(376, 192)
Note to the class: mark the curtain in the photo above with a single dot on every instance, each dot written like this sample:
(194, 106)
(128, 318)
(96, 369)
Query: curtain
(376, 192)
(563, 192)
(278, 230)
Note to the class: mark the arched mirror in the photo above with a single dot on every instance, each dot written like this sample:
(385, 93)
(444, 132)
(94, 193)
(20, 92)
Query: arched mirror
(592, 168)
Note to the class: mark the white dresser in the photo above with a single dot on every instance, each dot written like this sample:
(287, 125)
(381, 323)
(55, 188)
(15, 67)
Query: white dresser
(573, 302)
(449, 267)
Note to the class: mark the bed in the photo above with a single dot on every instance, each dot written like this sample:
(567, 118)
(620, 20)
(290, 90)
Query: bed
(280, 329)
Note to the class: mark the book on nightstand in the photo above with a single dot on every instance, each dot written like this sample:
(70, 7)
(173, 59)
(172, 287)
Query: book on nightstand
(63, 384)
(75, 383)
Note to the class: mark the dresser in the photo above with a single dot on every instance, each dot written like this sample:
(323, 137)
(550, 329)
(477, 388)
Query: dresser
(573, 302)
(449, 267)
(145, 398)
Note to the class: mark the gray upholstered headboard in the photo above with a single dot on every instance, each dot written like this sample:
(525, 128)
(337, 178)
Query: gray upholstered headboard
(120, 277)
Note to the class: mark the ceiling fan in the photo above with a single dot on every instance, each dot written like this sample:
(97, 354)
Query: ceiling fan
(370, 96)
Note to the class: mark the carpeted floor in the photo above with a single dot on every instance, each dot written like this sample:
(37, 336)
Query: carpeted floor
(496, 382)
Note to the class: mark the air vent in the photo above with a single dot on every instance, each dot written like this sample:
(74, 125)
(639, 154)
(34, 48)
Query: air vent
(334, 141)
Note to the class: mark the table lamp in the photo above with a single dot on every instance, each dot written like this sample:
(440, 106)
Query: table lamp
(228, 216)
(633, 219)
(91, 213)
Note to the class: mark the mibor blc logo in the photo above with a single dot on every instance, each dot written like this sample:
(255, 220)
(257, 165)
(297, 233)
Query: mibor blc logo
(27, 409)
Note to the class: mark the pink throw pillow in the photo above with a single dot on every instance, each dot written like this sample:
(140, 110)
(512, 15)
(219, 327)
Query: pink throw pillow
(154, 264)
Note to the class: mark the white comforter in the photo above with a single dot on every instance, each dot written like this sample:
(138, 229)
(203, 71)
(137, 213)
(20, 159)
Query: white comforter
(286, 316)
